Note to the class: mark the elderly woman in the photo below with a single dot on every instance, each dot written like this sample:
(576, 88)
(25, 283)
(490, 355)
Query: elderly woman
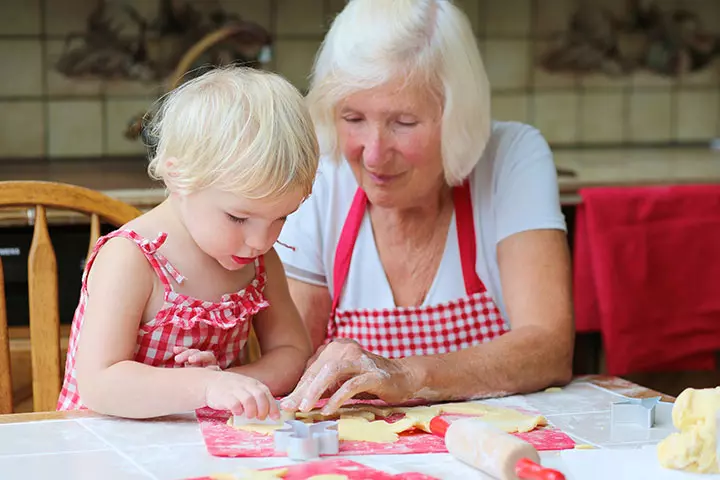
(430, 261)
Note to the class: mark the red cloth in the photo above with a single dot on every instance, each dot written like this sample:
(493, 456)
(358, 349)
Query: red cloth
(647, 275)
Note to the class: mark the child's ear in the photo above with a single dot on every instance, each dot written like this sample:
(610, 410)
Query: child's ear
(170, 173)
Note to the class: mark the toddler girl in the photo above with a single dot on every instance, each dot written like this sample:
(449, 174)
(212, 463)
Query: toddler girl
(180, 285)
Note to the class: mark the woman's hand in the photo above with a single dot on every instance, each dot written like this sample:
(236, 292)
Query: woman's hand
(241, 395)
(343, 367)
(192, 357)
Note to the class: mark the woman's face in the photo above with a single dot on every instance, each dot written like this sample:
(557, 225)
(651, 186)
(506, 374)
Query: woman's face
(390, 135)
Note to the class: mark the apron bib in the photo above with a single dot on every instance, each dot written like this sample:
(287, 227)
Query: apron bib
(405, 331)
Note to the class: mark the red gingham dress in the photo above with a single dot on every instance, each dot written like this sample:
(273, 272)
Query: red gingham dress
(405, 331)
(221, 327)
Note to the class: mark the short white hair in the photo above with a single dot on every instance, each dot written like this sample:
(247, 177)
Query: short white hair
(373, 42)
(242, 130)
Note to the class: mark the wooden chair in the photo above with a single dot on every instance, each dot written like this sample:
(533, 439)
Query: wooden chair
(43, 282)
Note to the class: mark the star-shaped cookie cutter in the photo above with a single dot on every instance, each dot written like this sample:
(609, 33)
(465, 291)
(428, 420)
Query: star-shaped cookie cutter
(303, 441)
(637, 411)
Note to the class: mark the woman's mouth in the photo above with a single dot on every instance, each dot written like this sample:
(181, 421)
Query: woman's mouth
(381, 179)
(242, 260)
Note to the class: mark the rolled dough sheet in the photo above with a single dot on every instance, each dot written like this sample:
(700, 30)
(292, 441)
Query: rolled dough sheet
(247, 474)
(360, 422)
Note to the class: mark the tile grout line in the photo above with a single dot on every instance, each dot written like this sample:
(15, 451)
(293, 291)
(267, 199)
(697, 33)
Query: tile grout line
(119, 452)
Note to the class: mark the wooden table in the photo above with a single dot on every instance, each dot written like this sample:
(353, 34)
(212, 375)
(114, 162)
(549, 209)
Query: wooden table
(82, 445)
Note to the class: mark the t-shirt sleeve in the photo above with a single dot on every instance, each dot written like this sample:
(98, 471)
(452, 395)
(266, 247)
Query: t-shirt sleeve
(302, 255)
(526, 195)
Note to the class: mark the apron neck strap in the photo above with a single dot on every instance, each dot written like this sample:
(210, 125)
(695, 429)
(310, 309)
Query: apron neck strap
(462, 202)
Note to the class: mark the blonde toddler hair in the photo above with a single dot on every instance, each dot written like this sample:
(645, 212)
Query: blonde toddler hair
(373, 42)
(238, 129)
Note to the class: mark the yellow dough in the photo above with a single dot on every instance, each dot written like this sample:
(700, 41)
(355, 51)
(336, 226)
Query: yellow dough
(553, 390)
(360, 422)
(693, 448)
(246, 474)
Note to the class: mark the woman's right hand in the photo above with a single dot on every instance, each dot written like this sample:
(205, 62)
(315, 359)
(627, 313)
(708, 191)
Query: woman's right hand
(242, 395)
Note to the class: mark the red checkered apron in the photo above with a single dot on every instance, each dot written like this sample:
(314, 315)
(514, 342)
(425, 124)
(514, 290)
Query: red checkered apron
(405, 331)
(220, 327)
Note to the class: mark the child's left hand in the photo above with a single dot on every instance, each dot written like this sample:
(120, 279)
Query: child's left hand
(192, 357)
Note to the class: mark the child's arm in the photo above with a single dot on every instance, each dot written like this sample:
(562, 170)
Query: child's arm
(284, 341)
(111, 382)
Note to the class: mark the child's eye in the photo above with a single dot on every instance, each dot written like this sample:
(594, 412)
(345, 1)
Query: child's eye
(235, 219)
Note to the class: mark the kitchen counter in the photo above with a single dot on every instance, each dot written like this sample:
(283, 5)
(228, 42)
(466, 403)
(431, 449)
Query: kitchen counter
(126, 178)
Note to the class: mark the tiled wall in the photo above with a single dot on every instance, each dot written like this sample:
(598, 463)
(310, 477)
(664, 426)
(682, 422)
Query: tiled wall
(44, 114)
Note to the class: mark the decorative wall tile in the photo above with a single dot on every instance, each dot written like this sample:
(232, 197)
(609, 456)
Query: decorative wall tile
(118, 115)
(258, 11)
(707, 77)
(510, 106)
(602, 117)
(544, 78)
(650, 116)
(605, 82)
(76, 128)
(22, 68)
(133, 88)
(294, 60)
(698, 116)
(643, 79)
(22, 129)
(507, 17)
(472, 9)
(88, 116)
(20, 17)
(553, 17)
(67, 16)
(60, 85)
(507, 63)
(297, 17)
(555, 115)
(708, 11)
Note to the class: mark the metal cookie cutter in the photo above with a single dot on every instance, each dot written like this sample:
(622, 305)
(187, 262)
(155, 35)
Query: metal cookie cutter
(304, 441)
(638, 411)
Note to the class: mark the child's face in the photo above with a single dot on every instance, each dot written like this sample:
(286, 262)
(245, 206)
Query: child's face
(235, 230)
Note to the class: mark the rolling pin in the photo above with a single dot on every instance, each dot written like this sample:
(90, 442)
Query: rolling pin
(491, 450)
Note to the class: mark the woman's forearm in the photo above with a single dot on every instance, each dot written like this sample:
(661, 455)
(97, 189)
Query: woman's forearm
(279, 369)
(135, 390)
(523, 360)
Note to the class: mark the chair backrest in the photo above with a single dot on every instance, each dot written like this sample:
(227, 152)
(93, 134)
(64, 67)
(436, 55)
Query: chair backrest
(43, 282)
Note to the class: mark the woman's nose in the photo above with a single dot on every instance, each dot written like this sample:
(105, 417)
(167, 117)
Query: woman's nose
(374, 149)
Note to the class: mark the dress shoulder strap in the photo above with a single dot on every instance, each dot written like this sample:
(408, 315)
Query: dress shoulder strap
(162, 267)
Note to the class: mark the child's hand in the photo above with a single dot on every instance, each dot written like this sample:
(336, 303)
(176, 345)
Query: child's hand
(193, 357)
(241, 395)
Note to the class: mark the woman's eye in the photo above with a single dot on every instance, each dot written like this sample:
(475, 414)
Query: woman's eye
(352, 119)
(235, 219)
(407, 123)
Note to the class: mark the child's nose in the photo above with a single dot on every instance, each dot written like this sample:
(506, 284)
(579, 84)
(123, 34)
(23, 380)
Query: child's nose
(258, 241)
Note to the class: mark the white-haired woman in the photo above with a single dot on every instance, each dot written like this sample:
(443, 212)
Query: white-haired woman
(431, 260)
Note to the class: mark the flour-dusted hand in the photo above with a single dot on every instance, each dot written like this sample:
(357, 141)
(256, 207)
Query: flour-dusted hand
(241, 395)
(344, 369)
(192, 357)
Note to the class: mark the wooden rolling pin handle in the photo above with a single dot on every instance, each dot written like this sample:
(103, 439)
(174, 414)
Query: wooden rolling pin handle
(529, 470)
(525, 469)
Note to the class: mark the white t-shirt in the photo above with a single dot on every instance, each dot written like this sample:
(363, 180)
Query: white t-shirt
(513, 187)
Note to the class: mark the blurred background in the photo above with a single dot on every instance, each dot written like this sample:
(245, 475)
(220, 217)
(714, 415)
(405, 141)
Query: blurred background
(627, 92)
